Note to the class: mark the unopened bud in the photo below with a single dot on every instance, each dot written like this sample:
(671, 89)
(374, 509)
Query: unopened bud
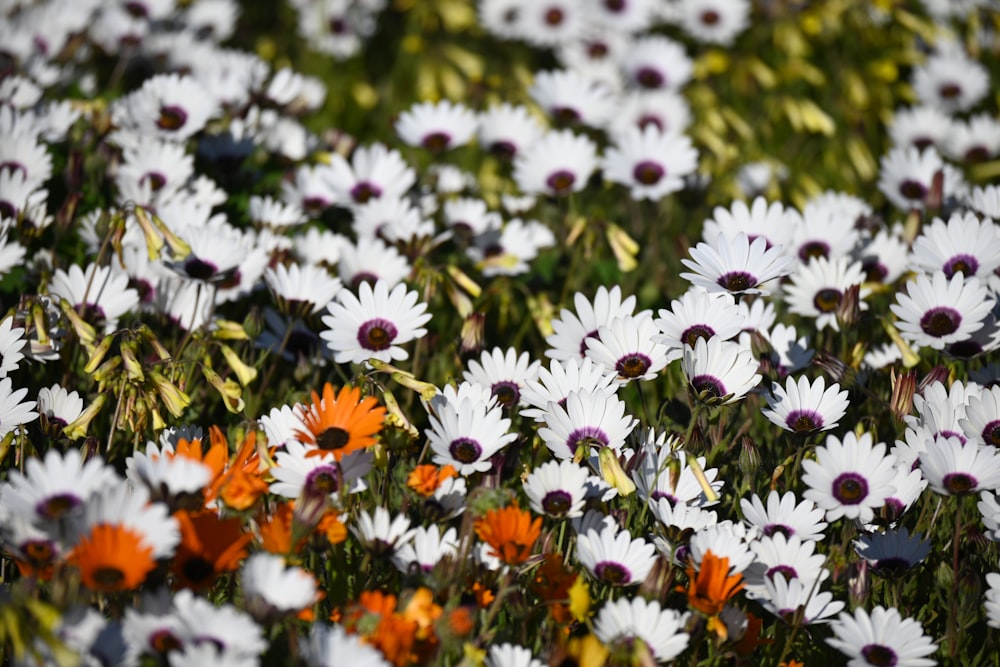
(749, 459)
(133, 369)
(154, 241)
(175, 399)
(904, 386)
(849, 308)
(78, 427)
(612, 472)
(231, 392)
(473, 330)
(244, 372)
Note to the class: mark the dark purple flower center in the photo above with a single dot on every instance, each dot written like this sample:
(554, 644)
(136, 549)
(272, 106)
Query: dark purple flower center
(377, 334)
(650, 77)
(650, 119)
(565, 115)
(991, 433)
(554, 16)
(561, 182)
(557, 503)
(171, 118)
(505, 150)
(696, 331)
(507, 393)
(337, 25)
(315, 204)
(976, 154)
(940, 321)
(583, 343)
(710, 17)
(893, 565)
(136, 9)
(57, 506)
(875, 271)
(804, 420)
(892, 509)
(912, 190)
(949, 91)
(850, 488)
(199, 269)
(436, 141)
(633, 365)
(813, 249)
(612, 573)
(959, 483)
(827, 300)
(615, 5)
(737, 281)
(773, 528)
(967, 264)
(648, 172)
(302, 343)
(787, 571)
(365, 191)
(39, 553)
(323, 480)
(465, 450)
(164, 641)
(657, 495)
(332, 439)
(155, 179)
(879, 655)
(597, 50)
(586, 436)
(363, 277)
(708, 384)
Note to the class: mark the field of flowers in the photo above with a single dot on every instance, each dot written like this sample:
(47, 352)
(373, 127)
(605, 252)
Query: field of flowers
(499, 333)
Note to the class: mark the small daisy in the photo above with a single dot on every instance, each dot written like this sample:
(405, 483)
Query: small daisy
(725, 539)
(736, 265)
(552, 22)
(650, 162)
(801, 406)
(620, 16)
(99, 295)
(437, 127)
(508, 250)
(557, 164)
(613, 557)
(625, 346)
(963, 245)
(426, 549)
(371, 260)
(906, 176)
(374, 323)
(881, 638)
(981, 419)
(11, 342)
(772, 220)
(954, 469)
(374, 171)
(509, 655)
(465, 435)
(789, 353)
(557, 489)
(892, 552)
(910, 485)
(664, 110)
(588, 420)
(936, 311)
(331, 646)
(300, 291)
(625, 620)
(817, 288)
(883, 257)
(231, 631)
(973, 141)
(658, 474)
(920, 127)
(177, 481)
(850, 478)
(788, 598)
(169, 106)
(297, 474)
(992, 603)
(571, 98)
(507, 130)
(571, 331)
(272, 588)
(720, 371)
(682, 516)
(470, 217)
(556, 382)
(504, 372)
(715, 21)
(780, 556)
(785, 516)
(951, 80)
(380, 535)
(655, 62)
(699, 314)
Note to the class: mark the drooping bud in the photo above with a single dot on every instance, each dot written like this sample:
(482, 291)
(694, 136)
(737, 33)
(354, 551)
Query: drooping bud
(175, 399)
(612, 472)
(244, 372)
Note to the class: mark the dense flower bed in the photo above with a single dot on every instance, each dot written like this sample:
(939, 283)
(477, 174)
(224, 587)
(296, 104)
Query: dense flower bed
(510, 332)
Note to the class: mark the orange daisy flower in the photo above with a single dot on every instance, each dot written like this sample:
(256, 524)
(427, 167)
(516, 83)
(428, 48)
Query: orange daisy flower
(113, 558)
(240, 482)
(511, 533)
(427, 478)
(209, 546)
(710, 588)
(343, 423)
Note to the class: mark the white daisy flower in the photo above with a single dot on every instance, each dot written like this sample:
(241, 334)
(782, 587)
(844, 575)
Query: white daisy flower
(654, 480)
(650, 162)
(617, 16)
(123, 504)
(570, 98)
(270, 587)
(303, 470)
(426, 549)
(465, 435)
(392, 219)
(100, 296)
(787, 598)
(973, 141)
(892, 552)
(595, 54)
(785, 516)
(817, 288)
(992, 602)
(170, 106)
(789, 353)
(954, 469)
(664, 110)
(773, 221)
(715, 21)
(437, 126)
(374, 171)
(613, 557)
(557, 489)
(699, 314)
(985, 200)
(920, 127)
(506, 130)
(951, 80)
(655, 62)
(850, 478)
(906, 176)
(936, 311)
(963, 244)
(883, 257)
(557, 164)
(800, 406)
(506, 251)
(556, 382)
(504, 372)
(725, 539)
(571, 331)
(588, 420)
(625, 620)
(371, 260)
(12, 341)
(552, 22)
(509, 655)
(178, 481)
(780, 556)
(981, 418)
(374, 323)
(470, 217)
(331, 646)
(909, 484)
(310, 190)
(625, 346)
(883, 637)
(719, 370)
(231, 631)
(301, 290)
(682, 516)
(736, 265)
(381, 534)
